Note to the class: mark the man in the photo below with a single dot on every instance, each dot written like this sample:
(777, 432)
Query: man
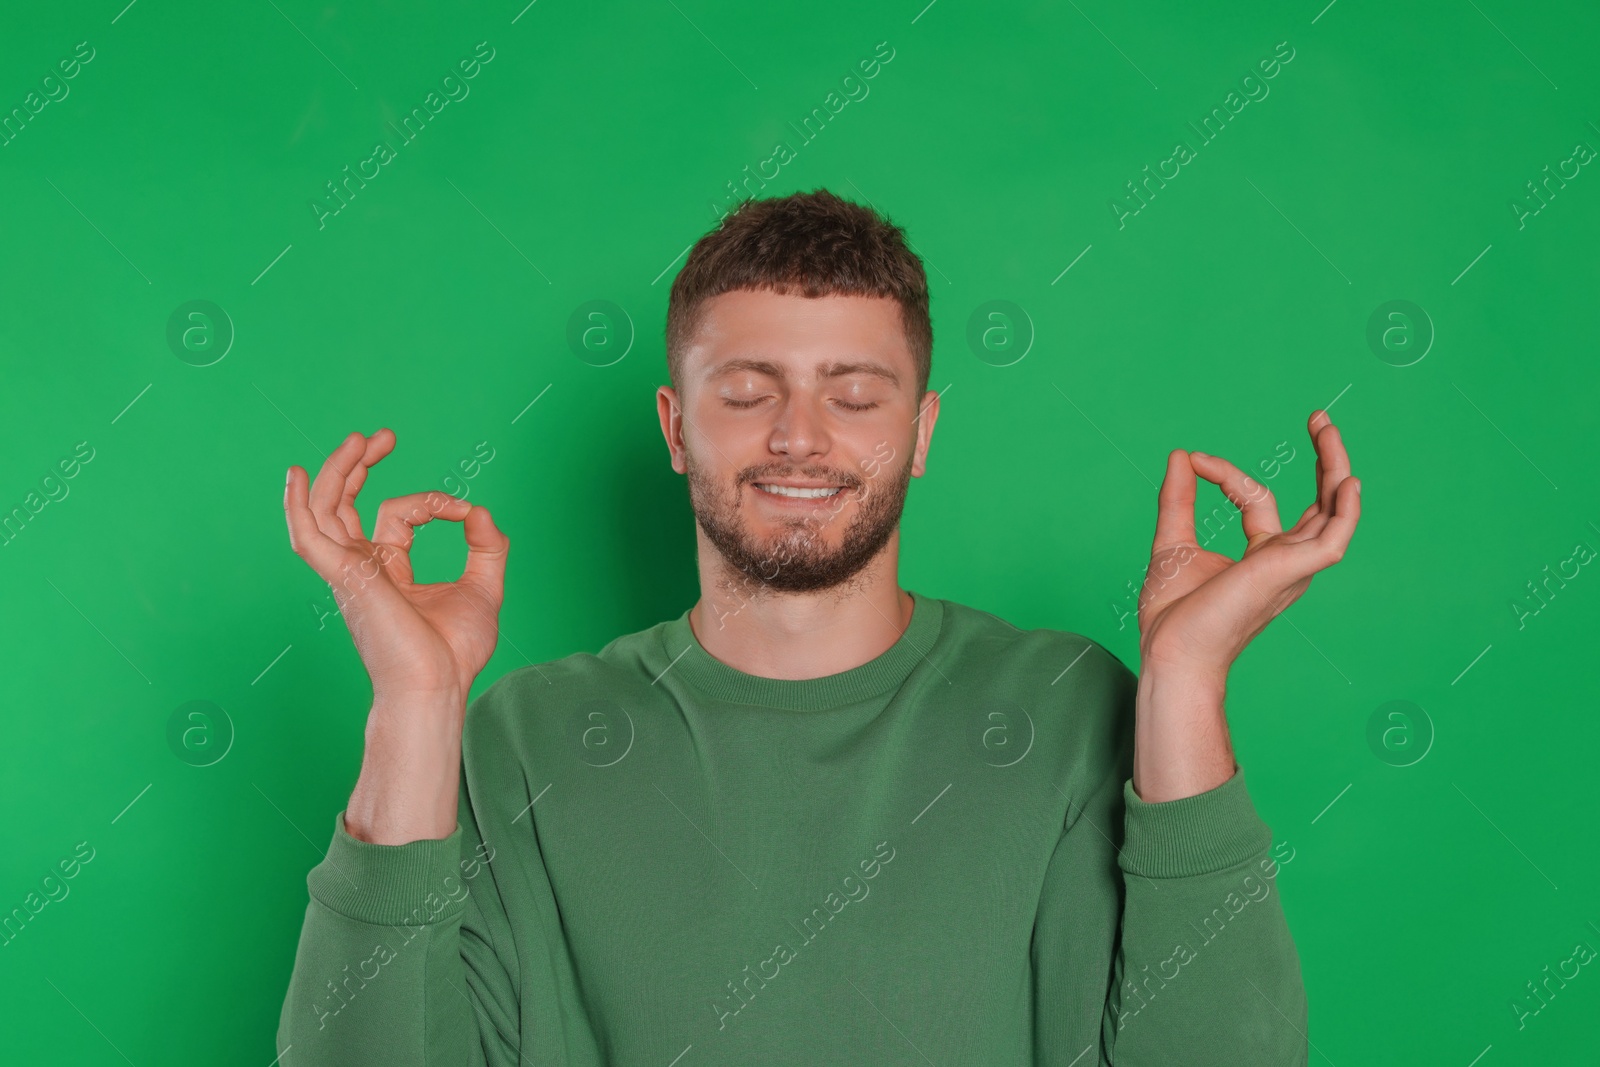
(817, 818)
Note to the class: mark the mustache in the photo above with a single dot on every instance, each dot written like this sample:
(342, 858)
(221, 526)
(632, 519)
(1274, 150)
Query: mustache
(761, 474)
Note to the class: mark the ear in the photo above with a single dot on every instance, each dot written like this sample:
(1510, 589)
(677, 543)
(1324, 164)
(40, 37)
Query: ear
(671, 415)
(929, 415)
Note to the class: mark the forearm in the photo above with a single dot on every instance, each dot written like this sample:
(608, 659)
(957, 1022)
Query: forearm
(410, 772)
(1187, 921)
(400, 956)
(1207, 972)
(1181, 742)
(379, 975)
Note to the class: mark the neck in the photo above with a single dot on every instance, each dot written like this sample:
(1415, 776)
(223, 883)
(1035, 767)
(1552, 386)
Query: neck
(776, 634)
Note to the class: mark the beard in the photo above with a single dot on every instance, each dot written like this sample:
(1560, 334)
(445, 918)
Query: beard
(798, 559)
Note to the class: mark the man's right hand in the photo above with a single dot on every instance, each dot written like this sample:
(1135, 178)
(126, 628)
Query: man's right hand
(422, 645)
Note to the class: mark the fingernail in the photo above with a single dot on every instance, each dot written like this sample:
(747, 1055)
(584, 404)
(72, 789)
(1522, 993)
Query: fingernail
(287, 474)
(1202, 455)
(1358, 487)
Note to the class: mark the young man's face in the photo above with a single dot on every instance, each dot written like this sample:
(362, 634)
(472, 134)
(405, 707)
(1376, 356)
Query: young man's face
(800, 392)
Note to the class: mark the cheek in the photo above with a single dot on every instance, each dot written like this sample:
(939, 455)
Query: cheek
(710, 475)
(736, 431)
(882, 449)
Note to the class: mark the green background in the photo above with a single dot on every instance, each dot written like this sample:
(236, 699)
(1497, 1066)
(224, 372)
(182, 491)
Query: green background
(591, 151)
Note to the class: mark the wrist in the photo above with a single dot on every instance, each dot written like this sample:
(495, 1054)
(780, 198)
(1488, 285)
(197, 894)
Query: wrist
(410, 770)
(1181, 738)
(429, 703)
(1176, 670)
(417, 726)
(427, 685)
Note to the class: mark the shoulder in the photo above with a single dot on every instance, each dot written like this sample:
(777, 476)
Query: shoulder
(537, 695)
(1068, 691)
(1041, 658)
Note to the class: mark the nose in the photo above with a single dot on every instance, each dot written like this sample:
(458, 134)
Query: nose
(799, 434)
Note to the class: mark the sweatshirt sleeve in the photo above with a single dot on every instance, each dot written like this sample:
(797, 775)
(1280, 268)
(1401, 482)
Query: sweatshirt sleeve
(1160, 938)
(403, 957)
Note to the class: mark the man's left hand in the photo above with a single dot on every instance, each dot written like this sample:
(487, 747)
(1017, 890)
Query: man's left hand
(1199, 609)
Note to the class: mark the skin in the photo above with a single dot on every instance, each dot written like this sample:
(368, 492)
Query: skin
(1198, 609)
(799, 427)
(819, 591)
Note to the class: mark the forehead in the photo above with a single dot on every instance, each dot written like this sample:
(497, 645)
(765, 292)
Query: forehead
(797, 332)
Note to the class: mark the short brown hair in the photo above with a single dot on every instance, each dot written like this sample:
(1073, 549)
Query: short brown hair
(814, 244)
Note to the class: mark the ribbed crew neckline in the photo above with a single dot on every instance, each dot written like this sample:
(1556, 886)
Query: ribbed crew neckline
(705, 673)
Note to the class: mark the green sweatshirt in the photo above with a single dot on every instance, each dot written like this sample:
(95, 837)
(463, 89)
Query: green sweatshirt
(936, 857)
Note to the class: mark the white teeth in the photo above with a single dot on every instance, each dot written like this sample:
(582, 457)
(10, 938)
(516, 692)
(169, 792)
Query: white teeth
(788, 490)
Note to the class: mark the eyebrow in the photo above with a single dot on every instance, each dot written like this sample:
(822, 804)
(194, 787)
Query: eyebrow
(824, 370)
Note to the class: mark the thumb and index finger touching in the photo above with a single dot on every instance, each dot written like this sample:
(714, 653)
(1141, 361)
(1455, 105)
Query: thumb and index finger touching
(324, 525)
(1338, 504)
(1175, 501)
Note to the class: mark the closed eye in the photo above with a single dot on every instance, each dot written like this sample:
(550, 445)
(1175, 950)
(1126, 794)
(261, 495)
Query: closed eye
(845, 404)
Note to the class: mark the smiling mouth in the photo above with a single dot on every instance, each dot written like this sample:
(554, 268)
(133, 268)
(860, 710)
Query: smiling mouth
(799, 492)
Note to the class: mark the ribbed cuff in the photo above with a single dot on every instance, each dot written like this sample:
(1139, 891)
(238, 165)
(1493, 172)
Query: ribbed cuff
(416, 883)
(1192, 835)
